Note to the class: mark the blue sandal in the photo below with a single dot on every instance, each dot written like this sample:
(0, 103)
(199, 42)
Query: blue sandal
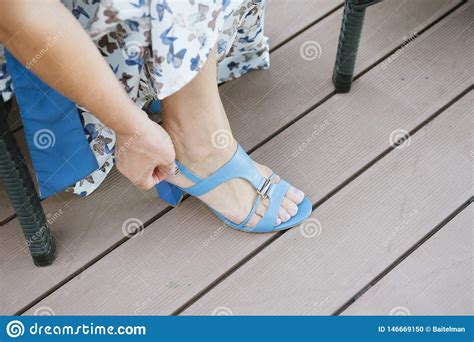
(240, 166)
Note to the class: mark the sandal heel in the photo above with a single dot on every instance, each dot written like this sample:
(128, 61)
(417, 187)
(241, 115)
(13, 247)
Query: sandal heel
(169, 193)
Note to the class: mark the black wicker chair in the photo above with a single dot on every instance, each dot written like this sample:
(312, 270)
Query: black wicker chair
(351, 28)
(16, 178)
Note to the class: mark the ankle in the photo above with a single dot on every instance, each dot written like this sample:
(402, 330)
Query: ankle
(202, 143)
(204, 155)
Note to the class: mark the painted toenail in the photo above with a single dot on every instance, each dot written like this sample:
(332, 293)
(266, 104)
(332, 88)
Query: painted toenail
(286, 217)
(292, 210)
(278, 222)
(298, 193)
(295, 210)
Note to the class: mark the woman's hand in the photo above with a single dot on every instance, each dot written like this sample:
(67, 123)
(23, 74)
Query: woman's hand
(74, 67)
(145, 154)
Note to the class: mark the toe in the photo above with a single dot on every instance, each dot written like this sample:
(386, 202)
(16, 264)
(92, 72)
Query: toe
(290, 206)
(295, 195)
(283, 215)
(253, 220)
(261, 209)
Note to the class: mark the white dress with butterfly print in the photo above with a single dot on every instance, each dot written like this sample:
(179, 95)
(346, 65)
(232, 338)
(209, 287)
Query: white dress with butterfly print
(155, 47)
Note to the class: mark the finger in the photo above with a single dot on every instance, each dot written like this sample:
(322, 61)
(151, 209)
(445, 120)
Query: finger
(146, 180)
(170, 169)
(146, 183)
(158, 175)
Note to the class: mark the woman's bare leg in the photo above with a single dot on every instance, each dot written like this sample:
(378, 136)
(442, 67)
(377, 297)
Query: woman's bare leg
(191, 117)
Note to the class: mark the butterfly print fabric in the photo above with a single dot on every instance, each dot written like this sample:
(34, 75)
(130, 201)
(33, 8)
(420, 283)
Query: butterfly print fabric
(155, 47)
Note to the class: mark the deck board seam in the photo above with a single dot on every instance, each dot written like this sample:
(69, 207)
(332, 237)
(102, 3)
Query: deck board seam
(402, 257)
(325, 98)
(307, 27)
(405, 42)
(257, 146)
(169, 208)
(356, 77)
(92, 262)
(271, 50)
(336, 190)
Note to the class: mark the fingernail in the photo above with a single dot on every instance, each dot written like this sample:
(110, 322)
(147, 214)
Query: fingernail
(174, 171)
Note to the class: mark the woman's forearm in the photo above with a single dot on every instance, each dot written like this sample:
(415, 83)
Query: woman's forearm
(67, 60)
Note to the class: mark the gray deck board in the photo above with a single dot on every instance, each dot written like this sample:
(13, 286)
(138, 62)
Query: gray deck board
(156, 265)
(253, 94)
(277, 27)
(84, 229)
(285, 18)
(437, 279)
(360, 231)
(259, 110)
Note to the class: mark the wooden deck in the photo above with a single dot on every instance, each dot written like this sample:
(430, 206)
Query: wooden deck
(392, 228)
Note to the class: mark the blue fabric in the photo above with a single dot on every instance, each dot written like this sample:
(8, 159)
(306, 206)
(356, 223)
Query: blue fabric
(155, 106)
(59, 149)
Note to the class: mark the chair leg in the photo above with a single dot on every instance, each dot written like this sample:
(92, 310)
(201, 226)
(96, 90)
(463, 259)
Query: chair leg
(14, 174)
(351, 28)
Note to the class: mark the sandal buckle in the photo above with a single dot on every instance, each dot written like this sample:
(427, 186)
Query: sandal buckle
(266, 185)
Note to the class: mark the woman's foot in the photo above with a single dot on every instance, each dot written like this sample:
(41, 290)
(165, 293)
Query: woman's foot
(234, 199)
(196, 121)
